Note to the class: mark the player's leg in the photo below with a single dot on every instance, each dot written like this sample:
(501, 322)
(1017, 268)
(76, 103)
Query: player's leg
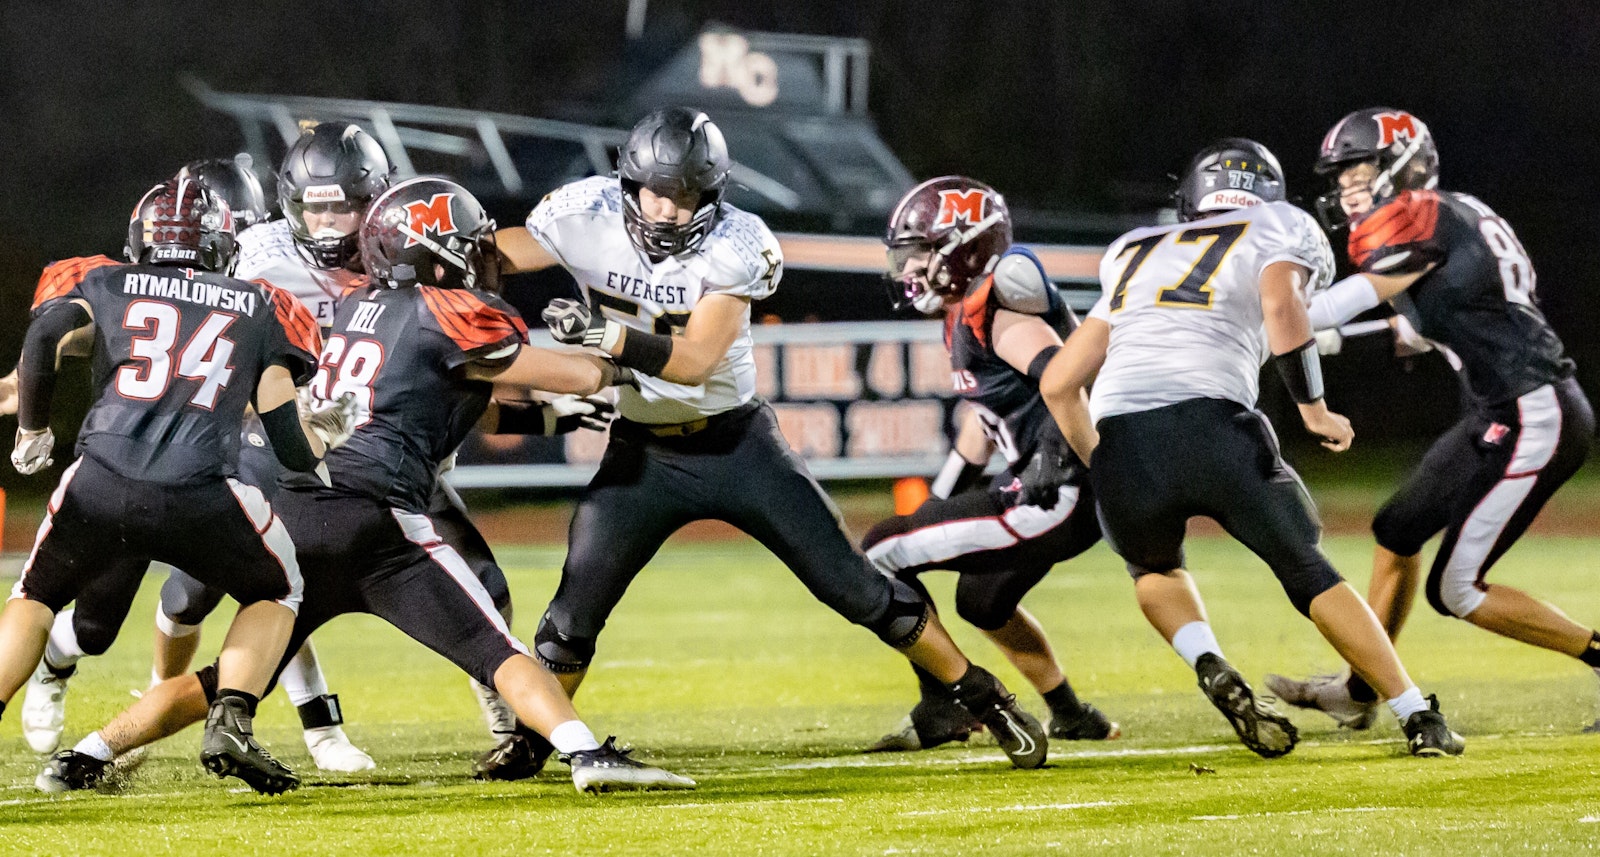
(1550, 445)
(427, 591)
(1267, 508)
(185, 603)
(1417, 512)
(767, 492)
(449, 515)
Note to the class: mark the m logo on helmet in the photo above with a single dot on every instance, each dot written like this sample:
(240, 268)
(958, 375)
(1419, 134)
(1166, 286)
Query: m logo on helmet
(963, 205)
(431, 216)
(1396, 126)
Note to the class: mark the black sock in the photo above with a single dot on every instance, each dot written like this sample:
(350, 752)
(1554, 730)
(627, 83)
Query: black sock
(1591, 655)
(932, 688)
(2, 709)
(1062, 698)
(250, 699)
(1360, 691)
(974, 686)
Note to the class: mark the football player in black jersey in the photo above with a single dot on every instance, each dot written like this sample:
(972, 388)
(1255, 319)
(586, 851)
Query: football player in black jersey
(420, 351)
(1460, 277)
(180, 350)
(950, 253)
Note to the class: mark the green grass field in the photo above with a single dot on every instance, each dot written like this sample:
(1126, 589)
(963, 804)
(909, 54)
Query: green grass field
(719, 665)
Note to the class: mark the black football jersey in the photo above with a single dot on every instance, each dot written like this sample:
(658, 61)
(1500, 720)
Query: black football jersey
(1479, 299)
(402, 353)
(177, 356)
(1006, 401)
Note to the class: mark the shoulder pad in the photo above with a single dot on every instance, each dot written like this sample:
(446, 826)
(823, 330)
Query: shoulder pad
(61, 278)
(591, 196)
(743, 256)
(1379, 242)
(1020, 284)
(477, 322)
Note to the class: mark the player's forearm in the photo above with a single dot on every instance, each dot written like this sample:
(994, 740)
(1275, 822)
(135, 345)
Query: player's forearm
(553, 372)
(519, 251)
(36, 370)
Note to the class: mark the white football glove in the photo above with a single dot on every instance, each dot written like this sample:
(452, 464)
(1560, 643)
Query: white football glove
(31, 453)
(1407, 341)
(332, 422)
(1329, 341)
(570, 413)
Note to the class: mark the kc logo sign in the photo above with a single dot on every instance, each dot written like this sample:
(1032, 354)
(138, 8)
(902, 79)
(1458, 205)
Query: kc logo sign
(727, 61)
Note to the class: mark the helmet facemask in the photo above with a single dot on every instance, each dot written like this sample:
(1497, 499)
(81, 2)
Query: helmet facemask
(659, 240)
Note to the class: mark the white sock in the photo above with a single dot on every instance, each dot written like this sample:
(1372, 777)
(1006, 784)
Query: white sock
(572, 736)
(1408, 703)
(63, 650)
(1193, 640)
(302, 679)
(95, 746)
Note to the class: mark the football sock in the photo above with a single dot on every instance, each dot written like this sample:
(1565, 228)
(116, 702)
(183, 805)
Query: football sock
(571, 737)
(302, 678)
(1193, 640)
(2, 709)
(1062, 698)
(1591, 655)
(1360, 691)
(930, 685)
(62, 652)
(95, 746)
(250, 699)
(171, 627)
(1408, 703)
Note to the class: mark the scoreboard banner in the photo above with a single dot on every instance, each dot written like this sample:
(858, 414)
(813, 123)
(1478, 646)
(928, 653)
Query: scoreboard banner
(856, 400)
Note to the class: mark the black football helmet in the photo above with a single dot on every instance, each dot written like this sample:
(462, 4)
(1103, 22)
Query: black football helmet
(181, 222)
(429, 232)
(1394, 141)
(677, 152)
(235, 181)
(1231, 173)
(961, 223)
(336, 165)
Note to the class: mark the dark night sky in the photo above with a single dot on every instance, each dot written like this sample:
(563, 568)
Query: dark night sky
(1082, 104)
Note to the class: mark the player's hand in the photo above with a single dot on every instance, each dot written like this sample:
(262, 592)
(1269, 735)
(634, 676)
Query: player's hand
(1407, 341)
(1334, 429)
(332, 422)
(8, 394)
(1329, 342)
(1050, 468)
(581, 412)
(568, 320)
(620, 376)
(31, 453)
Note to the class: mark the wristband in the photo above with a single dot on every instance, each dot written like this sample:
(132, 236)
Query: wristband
(1302, 372)
(646, 352)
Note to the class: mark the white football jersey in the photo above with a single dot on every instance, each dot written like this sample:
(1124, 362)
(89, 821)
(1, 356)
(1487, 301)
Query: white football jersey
(581, 225)
(1184, 305)
(267, 252)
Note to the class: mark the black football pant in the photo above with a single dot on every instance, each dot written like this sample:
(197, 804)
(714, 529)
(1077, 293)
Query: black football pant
(1155, 469)
(738, 469)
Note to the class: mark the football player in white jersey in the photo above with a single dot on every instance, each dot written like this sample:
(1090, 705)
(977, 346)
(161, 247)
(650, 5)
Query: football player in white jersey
(1189, 314)
(668, 271)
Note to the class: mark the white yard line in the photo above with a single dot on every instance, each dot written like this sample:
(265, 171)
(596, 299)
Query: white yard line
(1330, 811)
(743, 804)
(1040, 807)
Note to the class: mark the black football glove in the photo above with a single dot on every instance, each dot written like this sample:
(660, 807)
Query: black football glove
(570, 413)
(1051, 467)
(572, 323)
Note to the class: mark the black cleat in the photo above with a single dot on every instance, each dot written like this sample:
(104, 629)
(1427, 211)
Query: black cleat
(1261, 727)
(607, 769)
(996, 708)
(70, 771)
(931, 723)
(229, 749)
(1089, 724)
(1428, 735)
(520, 756)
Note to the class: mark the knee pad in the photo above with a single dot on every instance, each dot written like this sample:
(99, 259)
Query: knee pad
(93, 637)
(906, 617)
(561, 653)
(1454, 596)
(1304, 583)
(981, 603)
(187, 601)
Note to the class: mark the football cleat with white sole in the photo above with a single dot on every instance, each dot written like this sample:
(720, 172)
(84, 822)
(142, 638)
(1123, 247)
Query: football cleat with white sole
(1427, 733)
(608, 769)
(1329, 694)
(1016, 731)
(44, 708)
(331, 750)
(1261, 727)
(520, 755)
(70, 771)
(229, 749)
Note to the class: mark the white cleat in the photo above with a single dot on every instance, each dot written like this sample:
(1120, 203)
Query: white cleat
(44, 709)
(608, 769)
(331, 750)
(1329, 694)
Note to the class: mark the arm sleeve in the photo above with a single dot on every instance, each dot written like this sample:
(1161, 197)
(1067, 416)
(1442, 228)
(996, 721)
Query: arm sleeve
(36, 372)
(288, 440)
(480, 326)
(1400, 236)
(298, 343)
